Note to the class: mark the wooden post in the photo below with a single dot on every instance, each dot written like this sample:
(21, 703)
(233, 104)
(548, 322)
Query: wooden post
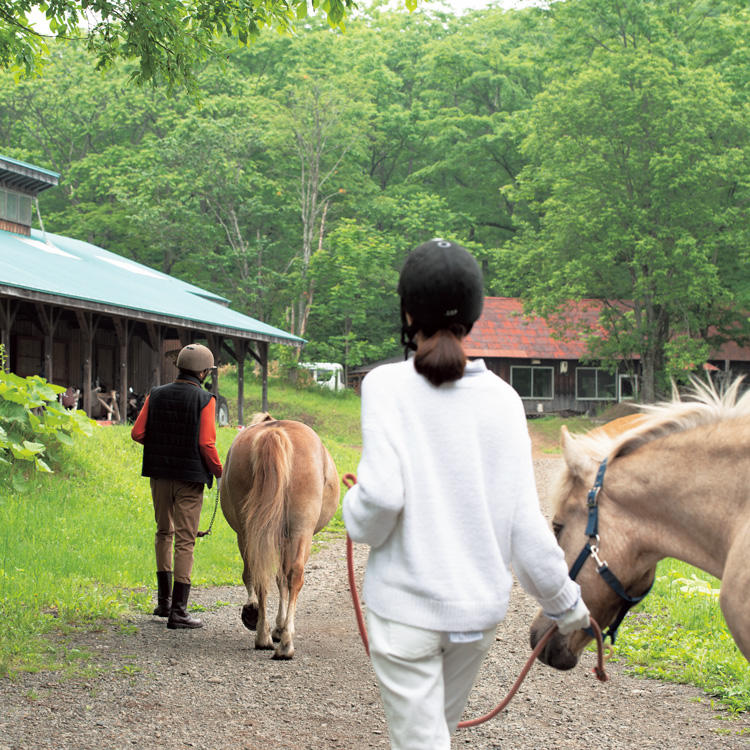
(263, 351)
(214, 344)
(154, 341)
(7, 315)
(88, 327)
(124, 330)
(49, 320)
(241, 350)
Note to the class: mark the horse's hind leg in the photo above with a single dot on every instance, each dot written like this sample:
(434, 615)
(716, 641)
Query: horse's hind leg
(263, 632)
(294, 569)
(281, 582)
(249, 613)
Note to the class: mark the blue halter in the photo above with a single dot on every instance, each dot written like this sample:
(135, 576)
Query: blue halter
(591, 549)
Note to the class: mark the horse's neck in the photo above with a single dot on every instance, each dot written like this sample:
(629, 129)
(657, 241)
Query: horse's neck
(683, 501)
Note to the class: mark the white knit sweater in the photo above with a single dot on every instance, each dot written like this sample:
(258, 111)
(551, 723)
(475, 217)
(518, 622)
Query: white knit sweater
(447, 501)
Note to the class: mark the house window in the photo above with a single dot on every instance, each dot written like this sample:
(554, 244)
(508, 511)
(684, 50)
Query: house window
(15, 207)
(595, 384)
(628, 387)
(532, 382)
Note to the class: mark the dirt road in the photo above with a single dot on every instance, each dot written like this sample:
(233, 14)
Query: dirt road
(210, 689)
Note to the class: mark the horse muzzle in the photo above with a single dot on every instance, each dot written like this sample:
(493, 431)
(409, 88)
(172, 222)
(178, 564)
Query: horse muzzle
(559, 652)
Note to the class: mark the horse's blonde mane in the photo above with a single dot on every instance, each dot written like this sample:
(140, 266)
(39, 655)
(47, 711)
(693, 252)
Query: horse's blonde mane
(702, 404)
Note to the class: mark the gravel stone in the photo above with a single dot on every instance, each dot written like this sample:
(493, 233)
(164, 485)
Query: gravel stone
(209, 689)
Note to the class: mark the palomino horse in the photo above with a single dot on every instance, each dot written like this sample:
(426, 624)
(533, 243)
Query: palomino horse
(279, 487)
(673, 485)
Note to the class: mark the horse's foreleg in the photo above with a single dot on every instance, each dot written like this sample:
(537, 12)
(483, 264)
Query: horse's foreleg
(281, 582)
(735, 583)
(295, 577)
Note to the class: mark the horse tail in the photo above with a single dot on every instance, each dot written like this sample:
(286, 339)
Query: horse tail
(265, 518)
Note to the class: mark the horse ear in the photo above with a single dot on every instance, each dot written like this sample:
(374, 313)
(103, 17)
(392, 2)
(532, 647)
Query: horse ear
(579, 462)
(261, 416)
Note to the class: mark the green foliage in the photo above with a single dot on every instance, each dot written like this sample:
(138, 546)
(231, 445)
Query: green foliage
(595, 148)
(168, 40)
(353, 275)
(635, 156)
(33, 421)
(678, 634)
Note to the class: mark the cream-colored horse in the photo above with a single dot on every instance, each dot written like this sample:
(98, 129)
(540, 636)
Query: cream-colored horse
(279, 487)
(675, 485)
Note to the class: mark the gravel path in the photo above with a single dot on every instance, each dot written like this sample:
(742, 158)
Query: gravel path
(210, 689)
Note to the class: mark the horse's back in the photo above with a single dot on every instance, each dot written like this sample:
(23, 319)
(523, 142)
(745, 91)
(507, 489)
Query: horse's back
(313, 480)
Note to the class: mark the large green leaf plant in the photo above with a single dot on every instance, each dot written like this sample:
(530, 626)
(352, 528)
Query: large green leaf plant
(33, 421)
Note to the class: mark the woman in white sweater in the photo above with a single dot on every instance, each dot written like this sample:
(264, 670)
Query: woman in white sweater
(446, 500)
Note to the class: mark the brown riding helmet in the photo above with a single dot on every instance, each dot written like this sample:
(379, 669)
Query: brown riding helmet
(195, 357)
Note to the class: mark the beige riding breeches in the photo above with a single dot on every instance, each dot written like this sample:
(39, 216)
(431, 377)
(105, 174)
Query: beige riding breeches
(177, 510)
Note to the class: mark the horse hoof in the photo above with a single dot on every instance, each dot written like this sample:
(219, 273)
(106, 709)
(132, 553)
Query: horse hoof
(249, 616)
(276, 637)
(264, 647)
(282, 657)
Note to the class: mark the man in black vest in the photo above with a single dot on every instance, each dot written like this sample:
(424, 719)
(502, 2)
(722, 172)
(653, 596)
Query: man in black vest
(178, 431)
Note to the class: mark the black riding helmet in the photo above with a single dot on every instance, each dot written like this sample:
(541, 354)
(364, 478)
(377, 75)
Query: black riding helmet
(440, 287)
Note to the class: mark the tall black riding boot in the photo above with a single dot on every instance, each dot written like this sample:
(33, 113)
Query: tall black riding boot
(178, 616)
(163, 593)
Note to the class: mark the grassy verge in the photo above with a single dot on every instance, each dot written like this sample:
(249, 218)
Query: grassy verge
(678, 634)
(76, 546)
(76, 552)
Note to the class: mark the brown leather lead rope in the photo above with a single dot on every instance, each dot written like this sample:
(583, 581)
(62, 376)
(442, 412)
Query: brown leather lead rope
(349, 481)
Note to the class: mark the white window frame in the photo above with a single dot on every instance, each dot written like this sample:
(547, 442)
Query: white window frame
(627, 376)
(597, 370)
(533, 368)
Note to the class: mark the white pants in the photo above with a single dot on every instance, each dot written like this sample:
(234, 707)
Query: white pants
(424, 680)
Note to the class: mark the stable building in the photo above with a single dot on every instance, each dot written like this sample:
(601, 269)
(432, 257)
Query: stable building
(101, 324)
(553, 372)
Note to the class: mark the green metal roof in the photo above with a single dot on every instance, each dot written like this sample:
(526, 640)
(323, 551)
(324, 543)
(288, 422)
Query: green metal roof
(50, 264)
(19, 174)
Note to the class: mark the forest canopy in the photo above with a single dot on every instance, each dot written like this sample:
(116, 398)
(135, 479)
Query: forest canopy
(595, 148)
(167, 39)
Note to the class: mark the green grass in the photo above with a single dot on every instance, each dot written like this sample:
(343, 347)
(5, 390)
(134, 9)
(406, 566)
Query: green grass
(678, 634)
(76, 552)
(547, 429)
(76, 546)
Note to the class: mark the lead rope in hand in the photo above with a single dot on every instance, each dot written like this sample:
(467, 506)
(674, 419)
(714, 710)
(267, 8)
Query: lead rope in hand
(349, 481)
(213, 515)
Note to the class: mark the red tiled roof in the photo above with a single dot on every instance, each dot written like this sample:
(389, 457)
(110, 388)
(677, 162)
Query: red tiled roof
(733, 352)
(504, 331)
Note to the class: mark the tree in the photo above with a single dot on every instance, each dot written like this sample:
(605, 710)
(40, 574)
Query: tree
(167, 39)
(469, 89)
(323, 127)
(355, 315)
(637, 162)
(86, 126)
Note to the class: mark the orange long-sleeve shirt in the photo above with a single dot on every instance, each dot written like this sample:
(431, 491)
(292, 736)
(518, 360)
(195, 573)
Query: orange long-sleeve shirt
(206, 434)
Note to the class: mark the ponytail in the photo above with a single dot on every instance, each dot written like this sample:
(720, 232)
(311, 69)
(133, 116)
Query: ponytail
(441, 357)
